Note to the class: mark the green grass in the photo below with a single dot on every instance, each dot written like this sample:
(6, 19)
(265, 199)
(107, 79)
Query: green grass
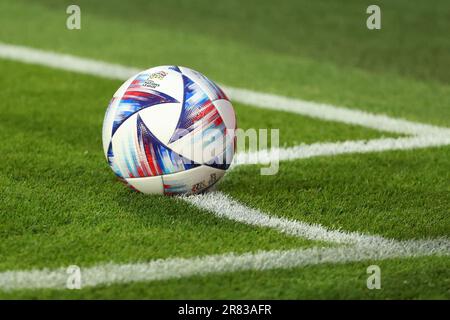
(402, 194)
(61, 205)
(413, 40)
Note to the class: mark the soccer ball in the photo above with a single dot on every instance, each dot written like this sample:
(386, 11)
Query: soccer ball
(169, 130)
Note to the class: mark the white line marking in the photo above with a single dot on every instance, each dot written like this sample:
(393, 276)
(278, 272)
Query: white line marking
(332, 113)
(223, 206)
(364, 247)
(175, 268)
(262, 100)
(66, 62)
(335, 148)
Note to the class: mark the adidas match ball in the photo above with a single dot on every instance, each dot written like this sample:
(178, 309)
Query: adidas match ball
(169, 130)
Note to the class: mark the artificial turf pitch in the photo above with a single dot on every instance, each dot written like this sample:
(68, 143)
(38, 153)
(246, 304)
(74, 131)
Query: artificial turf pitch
(60, 203)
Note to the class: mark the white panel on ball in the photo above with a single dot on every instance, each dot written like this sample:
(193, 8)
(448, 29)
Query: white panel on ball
(200, 145)
(162, 119)
(226, 111)
(191, 181)
(165, 80)
(124, 144)
(108, 124)
(150, 185)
